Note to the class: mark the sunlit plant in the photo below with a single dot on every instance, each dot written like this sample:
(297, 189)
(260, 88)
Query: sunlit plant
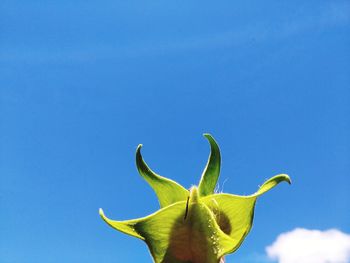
(195, 225)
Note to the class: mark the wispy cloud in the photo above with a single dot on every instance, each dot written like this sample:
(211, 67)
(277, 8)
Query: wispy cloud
(318, 19)
(311, 246)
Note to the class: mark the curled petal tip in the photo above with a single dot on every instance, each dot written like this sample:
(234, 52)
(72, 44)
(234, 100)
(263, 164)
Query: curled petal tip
(206, 134)
(161, 185)
(211, 171)
(289, 180)
(100, 211)
(272, 182)
(286, 178)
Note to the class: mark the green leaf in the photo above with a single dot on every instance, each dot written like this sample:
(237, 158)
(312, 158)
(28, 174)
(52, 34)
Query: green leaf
(211, 171)
(235, 214)
(272, 182)
(127, 226)
(167, 191)
(178, 235)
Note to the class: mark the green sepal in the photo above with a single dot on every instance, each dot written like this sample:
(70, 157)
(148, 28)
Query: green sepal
(234, 214)
(127, 226)
(272, 182)
(176, 236)
(167, 191)
(211, 171)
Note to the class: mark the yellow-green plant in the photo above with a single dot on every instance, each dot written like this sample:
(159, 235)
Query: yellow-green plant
(195, 225)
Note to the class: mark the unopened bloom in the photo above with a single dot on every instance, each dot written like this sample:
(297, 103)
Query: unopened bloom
(195, 225)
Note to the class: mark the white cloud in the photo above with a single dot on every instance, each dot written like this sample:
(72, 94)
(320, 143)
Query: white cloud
(311, 246)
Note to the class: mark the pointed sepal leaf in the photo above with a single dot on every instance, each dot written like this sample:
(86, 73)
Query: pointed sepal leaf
(234, 214)
(167, 191)
(180, 233)
(211, 171)
(127, 227)
(272, 182)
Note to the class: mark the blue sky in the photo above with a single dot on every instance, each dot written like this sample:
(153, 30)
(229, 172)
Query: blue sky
(84, 82)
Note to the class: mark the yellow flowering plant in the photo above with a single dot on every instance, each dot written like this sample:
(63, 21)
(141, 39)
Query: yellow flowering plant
(195, 225)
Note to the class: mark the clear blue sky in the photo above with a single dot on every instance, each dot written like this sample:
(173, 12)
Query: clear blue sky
(84, 82)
